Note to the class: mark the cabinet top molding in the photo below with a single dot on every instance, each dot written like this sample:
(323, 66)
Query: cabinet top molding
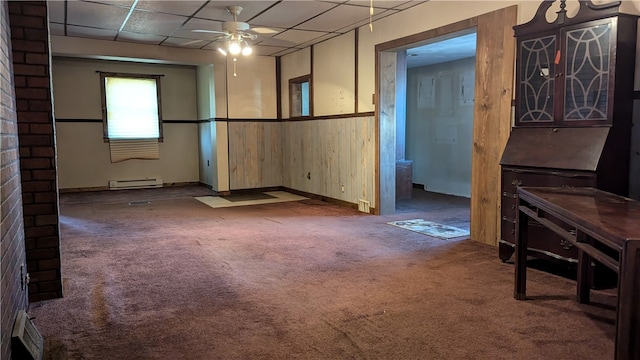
(587, 11)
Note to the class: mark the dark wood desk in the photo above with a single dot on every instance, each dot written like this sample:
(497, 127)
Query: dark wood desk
(604, 227)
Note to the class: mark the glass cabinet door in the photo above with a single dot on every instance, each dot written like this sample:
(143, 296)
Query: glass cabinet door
(587, 66)
(536, 80)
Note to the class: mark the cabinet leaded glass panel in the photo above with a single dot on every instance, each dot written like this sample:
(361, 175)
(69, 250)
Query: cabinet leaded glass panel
(587, 73)
(537, 79)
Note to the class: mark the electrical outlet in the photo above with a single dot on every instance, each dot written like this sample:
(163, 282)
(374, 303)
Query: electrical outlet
(309, 175)
(342, 187)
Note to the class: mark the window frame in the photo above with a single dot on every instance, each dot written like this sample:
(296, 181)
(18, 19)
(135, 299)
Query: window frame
(103, 90)
(297, 82)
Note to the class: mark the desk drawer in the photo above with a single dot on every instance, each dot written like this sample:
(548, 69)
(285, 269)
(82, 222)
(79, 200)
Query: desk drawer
(542, 242)
(513, 177)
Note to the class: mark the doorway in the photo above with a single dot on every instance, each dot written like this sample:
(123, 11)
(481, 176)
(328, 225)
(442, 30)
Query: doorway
(433, 165)
(493, 89)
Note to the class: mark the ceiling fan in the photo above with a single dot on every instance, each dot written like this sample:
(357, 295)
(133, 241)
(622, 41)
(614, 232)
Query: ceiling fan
(236, 33)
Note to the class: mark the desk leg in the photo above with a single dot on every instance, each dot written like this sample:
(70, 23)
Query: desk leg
(628, 312)
(520, 291)
(584, 273)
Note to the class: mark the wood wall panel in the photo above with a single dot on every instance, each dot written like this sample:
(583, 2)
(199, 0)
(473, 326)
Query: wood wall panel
(255, 155)
(334, 152)
(492, 119)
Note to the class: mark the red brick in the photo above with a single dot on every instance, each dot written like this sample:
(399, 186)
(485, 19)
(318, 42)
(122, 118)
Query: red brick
(41, 254)
(17, 33)
(44, 174)
(41, 234)
(47, 275)
(22, 105)
(26, 175)
(50, 241)
(35, 163)
(27, 21)
(50, 197)
(18, 57)
(33, 9)
(36, 140)
(36, 116)
(47, 286)
(38, 81)
(32, 93)
(41, 296)
(37, 35)
(42, 151)
(20, 81)
(37, 209)
(36, 186)
(46, 220)
(40, 105)
(37, 59)
(41, 129)
(35, 70)
(25, 152)
(50, 264)
(30, 244)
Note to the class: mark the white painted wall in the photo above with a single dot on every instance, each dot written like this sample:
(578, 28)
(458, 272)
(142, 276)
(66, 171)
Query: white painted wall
(293, 65)
(252, 92)
(83, 156)
(333, 76)
(440, 127)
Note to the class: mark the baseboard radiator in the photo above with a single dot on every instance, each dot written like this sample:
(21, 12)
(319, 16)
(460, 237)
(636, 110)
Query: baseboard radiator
(146, 183)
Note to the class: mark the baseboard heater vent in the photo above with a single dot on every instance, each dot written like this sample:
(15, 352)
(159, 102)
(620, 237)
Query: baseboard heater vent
(364, 206)
(147, 183)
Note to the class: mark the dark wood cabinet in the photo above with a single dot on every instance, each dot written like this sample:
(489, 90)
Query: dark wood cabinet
(573, 111)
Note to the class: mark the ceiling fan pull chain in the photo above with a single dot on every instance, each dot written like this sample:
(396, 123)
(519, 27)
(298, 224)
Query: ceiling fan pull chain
(234, 67)
(371, 15)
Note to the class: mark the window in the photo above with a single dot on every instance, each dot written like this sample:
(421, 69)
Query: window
(300, 97)
(131, 106)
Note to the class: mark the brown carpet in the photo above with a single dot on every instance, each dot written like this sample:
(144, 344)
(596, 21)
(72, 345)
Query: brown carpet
(176, 279)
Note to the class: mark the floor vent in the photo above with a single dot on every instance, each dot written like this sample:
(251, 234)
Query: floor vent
(26, 341)
(135, 184)
(364, 206)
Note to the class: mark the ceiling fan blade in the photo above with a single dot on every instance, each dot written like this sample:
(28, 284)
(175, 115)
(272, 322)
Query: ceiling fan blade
(264, 30)
(190, 42)
(210, 31)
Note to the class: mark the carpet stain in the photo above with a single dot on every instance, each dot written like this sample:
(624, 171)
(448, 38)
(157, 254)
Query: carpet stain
(99, 311)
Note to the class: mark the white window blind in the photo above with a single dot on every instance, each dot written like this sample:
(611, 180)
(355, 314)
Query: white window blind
(131, 108)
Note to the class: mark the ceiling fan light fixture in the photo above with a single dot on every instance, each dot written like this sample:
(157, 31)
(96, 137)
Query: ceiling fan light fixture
(247, 50)
(234, 48)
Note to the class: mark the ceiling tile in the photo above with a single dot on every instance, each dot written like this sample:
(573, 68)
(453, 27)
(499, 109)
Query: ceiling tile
(171, 7)
(88, 32)
(153, 23)
(140, 38)
(381, 4)
(318, 39)
(186, 43)
(409, 4)
(95, 15)
(216, 10)
(199, 24)
(122, 3)
(290, 13)
(267, 50)
(299, 36)
(56, 28)
(56, 11)
(376, 16)
(336, 18)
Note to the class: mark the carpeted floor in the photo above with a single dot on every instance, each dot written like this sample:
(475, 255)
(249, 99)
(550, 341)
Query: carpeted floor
(176, 279)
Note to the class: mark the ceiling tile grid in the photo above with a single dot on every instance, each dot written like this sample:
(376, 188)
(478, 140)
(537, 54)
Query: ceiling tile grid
(295, 23)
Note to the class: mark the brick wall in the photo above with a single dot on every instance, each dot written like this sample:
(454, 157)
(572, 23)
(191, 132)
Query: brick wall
(13, 294)
(32, 71)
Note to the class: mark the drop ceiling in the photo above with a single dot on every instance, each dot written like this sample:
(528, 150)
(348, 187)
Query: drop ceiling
(298, 23)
